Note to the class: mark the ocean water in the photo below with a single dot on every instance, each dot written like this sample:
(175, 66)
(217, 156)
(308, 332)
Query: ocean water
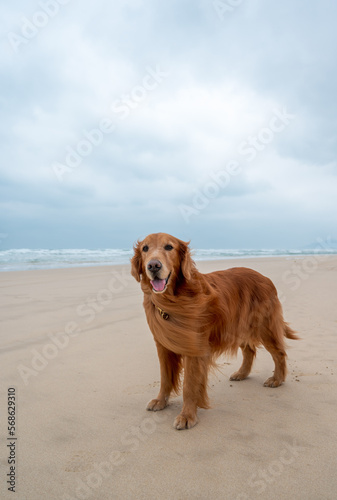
(28, 259)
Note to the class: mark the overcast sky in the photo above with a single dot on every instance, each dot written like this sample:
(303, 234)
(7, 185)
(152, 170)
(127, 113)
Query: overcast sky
(213, 121)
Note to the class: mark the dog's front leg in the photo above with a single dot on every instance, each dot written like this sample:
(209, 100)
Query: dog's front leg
(170, 368)
(194, 391)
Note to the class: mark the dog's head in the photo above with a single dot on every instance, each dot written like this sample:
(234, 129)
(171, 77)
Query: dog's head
(161, 260)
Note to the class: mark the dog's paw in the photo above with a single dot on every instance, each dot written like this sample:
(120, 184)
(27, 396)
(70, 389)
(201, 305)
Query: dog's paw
(185, 422)
(156, 404)
(237, 376)
(272, 382)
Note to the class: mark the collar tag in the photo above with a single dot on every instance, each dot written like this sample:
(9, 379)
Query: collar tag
(162, 313)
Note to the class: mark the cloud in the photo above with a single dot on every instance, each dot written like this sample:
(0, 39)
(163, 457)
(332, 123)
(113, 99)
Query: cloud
(220, 81)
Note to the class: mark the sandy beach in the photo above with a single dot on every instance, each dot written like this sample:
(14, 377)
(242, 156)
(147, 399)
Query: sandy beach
(76, 349)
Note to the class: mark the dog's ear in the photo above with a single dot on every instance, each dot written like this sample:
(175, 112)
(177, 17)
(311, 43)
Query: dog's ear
(136, 262)
(186, 262)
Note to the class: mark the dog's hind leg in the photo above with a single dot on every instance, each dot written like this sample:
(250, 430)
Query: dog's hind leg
(279, 356)
(272, 337)
(247, 363)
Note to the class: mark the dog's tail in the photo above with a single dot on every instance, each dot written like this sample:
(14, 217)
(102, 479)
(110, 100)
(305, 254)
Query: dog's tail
(289, 333)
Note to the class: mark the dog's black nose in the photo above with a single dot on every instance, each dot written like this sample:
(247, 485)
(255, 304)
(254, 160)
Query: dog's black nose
(154, 266)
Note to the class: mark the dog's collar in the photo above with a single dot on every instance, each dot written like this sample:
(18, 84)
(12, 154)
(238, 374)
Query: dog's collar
(162, 313)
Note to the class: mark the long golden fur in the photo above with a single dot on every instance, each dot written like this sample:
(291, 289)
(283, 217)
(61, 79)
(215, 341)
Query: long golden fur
(195, 317)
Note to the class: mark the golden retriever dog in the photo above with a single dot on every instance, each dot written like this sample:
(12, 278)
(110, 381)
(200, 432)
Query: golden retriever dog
(195, 317)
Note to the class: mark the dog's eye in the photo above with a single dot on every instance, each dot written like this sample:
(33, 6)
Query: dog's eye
(168, 247)
(145, 248)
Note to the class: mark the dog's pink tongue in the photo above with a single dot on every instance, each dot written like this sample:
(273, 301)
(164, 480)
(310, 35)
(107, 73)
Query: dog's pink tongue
(158, 285)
